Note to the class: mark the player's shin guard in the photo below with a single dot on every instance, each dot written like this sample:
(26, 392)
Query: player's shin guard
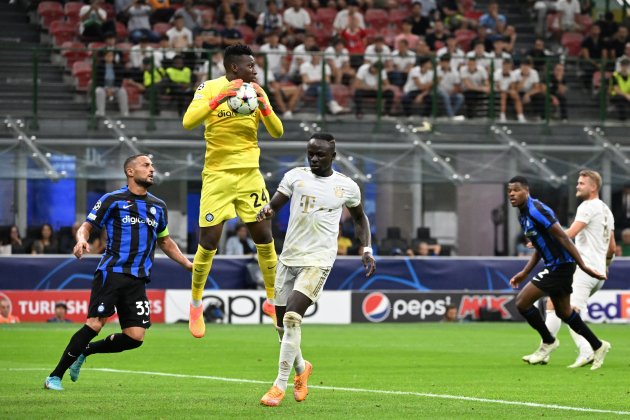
(115, 343)
(289, 347)
(75, 347)
(201, 268)
(533, 317)
(552, 322)
(575, 322)
(267, 260)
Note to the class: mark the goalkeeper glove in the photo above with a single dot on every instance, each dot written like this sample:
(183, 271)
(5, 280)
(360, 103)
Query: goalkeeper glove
(227, 91)
(263, 105)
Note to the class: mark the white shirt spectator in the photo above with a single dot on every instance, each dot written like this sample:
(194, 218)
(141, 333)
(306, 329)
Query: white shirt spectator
(458, 58)
(372, 56)
(568, 11)
(85, 9)
(498, 59)
(139, 17)
(477, 78)
(529, 81)
(401, 63)
(448, 80)
(264, 78)
(275, 55)
(371, 80)
(339, 59)
(299, 55)
(297, 19)
(343, 18)
(137, 54)
(416, 73)
(173, 34)
(483, 60)
(313, 72)
(503, 81)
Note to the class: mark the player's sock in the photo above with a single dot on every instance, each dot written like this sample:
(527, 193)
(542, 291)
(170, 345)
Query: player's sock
(115, 343)
(575, 322)
(298, 364)
(533, 317)
(584, 347)
(289, 347)
(553, 322)
(75, 347)
(201, 267)
(267, 260)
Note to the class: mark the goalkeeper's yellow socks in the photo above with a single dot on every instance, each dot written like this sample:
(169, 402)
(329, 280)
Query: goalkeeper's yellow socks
(267, 260)
(201, 268)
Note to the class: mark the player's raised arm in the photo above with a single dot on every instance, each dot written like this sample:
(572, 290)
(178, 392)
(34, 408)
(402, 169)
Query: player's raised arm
(202, 105)
(362, 232)
(268, 116)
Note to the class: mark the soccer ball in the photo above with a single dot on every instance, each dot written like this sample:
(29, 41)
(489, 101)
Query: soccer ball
(245, 101)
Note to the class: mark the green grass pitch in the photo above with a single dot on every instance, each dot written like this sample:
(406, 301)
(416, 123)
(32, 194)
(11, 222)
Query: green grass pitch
(394, 371)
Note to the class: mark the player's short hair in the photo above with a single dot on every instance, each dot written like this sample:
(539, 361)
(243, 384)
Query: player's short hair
(129, 161)
(233, 51)
(324, 136)
(593, 175)
(520, 179)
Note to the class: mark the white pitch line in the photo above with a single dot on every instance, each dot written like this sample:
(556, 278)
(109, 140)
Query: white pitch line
(358, 390)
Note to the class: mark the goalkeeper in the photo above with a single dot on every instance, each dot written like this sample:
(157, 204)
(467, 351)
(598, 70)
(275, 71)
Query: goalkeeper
(231, 180)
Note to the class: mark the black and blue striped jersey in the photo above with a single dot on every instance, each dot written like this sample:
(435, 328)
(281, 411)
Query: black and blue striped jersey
(536, 219)
(133, 224)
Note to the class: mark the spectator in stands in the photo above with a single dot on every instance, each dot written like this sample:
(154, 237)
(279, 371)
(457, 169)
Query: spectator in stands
(592, 52)
(141, 51)
(450, 315)
(621, 89)
(418, 88)
(292, 93)
(311, 72)
(109, 78)
(223, 8)
(378, 51)
(61, 312)
(180, 86)
(300, 55)
(403, 60)
(479, 53)
(18, 244)
(46, 243)
(420, 24)
(366, 85)
(354, 38)
(498, 53)
(342, 19)
(437, 39)
(529, 87)
(179, 36)
(120, 7)
(429, 8)
(539, 54)
(623, 249)
(482, 36)
(5, 312)
(568, 11)
(269, 22)
(207, 65)
(424, 249)
(162, 10)
(338, 58)
(449, 86)
(457, 55)
(276, 53)
(230, 35)
(423, 50)
(452, 14)
(626, 54)
(558, 90)
(406, 34)
(505, 85)
(475, 84)
(94, 25)
(240, 243)
(192, 18)
(111, 45)
(244, 16)
(67, 241)
(297, 21)
(617, 45)
(208, 31)
(608, 28)
(508, 34)
(138, 24)
(492, 18)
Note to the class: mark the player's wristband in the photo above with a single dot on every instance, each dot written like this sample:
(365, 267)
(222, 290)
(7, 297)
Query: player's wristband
(368, 250)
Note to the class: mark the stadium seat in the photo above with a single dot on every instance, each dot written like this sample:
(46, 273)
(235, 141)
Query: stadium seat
(376, 18)
(82, 73)
(72, 52)
(585, 22)
(125, 49)
(72, 9)
(325, 16)
(468, 5)
(49, 11)
(341, 93)
(423, 233)
(390, 33)
(161, 28)
(464, 38)
(62, 31)
(396, 17)
(572, 41)
(121, 31)
(109, 8)
(133, 94)
(393, 232)
(473, 14)
(248, 33)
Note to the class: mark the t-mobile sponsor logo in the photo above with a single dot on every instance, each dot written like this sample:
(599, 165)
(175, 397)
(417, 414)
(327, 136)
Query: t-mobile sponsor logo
(132, 220)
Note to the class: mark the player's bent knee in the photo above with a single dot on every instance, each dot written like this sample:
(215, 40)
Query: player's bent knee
(95, 323)
(131, 343)
(292, 320)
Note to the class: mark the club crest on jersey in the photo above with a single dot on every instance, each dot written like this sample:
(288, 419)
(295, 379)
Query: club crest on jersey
(201, 86)
(338, 192)
(209, 217)
(101, 308)
(152, 211)
(97, 205)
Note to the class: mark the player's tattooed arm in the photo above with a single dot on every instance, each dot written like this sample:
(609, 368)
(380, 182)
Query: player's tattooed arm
(83, 234)
(269, 210)
(565, 242)
(362, 232)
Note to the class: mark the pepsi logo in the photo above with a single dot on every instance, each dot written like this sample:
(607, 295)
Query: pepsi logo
(376, 307)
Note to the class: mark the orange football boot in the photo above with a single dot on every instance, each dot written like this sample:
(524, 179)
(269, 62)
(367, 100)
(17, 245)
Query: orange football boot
(273, 397)
(300, 390)
(270, 310)
(195, 321)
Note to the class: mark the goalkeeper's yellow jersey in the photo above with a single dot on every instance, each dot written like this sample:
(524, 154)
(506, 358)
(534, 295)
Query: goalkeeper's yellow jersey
(231, 138)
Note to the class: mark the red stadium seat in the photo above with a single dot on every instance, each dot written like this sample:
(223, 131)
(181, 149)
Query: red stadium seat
(376, 18)
(125, 49)
(72, 9)
(464, 38)
(134, 95)
(326, 16)
(62, 31)
(585, 22)
(572, 41)
(121, 31)
(49, 11)
(390, 34)
(341, 93)
(468, 5)
(396, 17)
(73, 52)
(82, 73)
(161, 28)
(247, 32)
(109, 8)
(473, 14)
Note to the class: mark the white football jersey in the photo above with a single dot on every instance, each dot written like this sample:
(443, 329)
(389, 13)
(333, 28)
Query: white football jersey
(592, 241)
(316, 205)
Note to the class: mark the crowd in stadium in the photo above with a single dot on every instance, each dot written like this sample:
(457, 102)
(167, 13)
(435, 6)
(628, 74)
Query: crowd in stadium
(163, 50)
